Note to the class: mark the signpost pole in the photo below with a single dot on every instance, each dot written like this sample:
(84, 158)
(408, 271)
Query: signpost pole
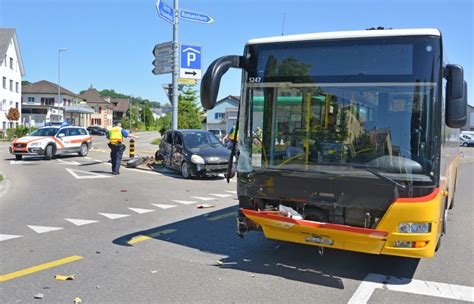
(174, 116)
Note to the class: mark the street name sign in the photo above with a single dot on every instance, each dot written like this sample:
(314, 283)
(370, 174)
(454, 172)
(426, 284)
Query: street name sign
(162, 70)
(165, 11)
(163, 49)
(163, 62)
(187, 81)
(195, 16)
(190, 67)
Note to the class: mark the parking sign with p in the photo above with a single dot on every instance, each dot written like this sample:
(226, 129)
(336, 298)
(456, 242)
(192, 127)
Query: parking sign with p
(190, 67)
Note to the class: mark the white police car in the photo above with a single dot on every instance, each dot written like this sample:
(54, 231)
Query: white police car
(53, 140)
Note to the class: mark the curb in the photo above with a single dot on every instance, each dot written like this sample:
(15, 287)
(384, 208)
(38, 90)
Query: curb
(5, 185)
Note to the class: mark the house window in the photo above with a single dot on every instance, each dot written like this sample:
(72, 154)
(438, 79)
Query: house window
(16, 86)
(11, 85)
(16, 105)
(4, 82)
(100, 110)
(47, 101)
(3, 105)
(219, 115)
(11, 63)
(31, 99)
(4, 125)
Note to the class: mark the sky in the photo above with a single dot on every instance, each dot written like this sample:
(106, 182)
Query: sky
(109, 42)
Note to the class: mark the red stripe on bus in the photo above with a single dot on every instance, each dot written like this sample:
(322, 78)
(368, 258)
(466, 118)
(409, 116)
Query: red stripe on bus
(273, 216)
(420, 199)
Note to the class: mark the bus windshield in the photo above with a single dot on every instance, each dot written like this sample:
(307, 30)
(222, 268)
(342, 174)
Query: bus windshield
(384, 120)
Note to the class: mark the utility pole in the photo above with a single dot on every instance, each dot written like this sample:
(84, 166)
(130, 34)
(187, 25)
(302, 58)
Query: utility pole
(174, 115)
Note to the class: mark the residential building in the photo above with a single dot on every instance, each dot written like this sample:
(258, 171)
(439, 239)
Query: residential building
(120, 107)
(103, 115)
(224, 114)
(158, 113)
(470, 119)
(40, 103)
(11, 72)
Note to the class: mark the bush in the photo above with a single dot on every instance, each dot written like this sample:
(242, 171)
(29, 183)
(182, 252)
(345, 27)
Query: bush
(156, 141)
(20, 131)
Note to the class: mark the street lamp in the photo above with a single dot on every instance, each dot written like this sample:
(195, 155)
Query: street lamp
(59, 77)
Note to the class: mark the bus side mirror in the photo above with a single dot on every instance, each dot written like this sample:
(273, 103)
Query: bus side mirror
(212, 78)
(456, 97)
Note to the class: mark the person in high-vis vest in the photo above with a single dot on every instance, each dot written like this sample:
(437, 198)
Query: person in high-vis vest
(231, 137)
(116, 136)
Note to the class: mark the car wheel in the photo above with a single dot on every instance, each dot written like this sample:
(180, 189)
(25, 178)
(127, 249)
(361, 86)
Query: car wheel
(185, 170)
(48, 154)
(84, 150)
(18, 157)
(464, 144)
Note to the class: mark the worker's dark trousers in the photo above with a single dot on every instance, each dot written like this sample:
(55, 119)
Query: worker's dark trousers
(116, 152)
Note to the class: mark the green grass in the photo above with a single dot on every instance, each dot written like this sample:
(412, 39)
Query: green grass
(156, 141)
(1, 178)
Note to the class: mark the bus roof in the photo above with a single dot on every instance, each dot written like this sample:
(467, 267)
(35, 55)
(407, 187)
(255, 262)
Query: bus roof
(348, 35)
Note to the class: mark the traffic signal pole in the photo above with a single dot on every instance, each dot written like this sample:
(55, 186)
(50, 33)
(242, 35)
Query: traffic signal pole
(174, 116)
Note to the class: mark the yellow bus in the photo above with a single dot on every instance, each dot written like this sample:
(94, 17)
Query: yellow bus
(347, 140)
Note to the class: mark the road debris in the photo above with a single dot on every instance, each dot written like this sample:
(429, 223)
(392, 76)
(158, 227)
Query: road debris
(64, 277)
(252, 276)
(77, 300)
(201, 206)
(39, 296)
(154, 271)
(124, 190)
(220, 263)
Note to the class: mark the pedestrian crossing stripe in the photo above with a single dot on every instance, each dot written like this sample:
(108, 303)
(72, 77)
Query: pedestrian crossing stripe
(4, 237)
(220, 195)
(43, 229)
(184, 202)
(80, 222)
(113, 216)
(141, 211)
(163, 206)
(204, 198)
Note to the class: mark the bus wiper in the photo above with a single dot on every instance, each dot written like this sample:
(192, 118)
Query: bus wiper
(386, 178)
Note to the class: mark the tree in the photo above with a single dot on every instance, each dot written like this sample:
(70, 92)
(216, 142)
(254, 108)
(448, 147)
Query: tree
(13, 114)
(188, 110)
(146, 116)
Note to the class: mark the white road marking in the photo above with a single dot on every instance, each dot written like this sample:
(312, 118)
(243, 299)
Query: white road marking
(140, 210)
(114, 216)
(433, 289)
(88, 158)
(204, 198)
(4, 237)
(64, 162)
(233, 192)
(220, 195)
(43, 229)
(144, 171)
(79, 222)
(163, 206)
(86, 174)
(21, 162)
(184, 202)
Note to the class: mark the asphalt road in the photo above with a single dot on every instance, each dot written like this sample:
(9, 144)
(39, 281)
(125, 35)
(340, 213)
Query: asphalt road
(166, 250)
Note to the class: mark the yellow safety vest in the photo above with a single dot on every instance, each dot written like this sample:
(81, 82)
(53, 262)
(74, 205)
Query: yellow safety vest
(115, 135)
(233, 136)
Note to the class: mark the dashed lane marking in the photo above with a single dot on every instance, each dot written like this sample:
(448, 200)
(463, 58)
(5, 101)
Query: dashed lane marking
(34, 269)
(113, 216)
(43, 229)
(78, 174)
(184, 202)
(233, 192)
(442, 290)
(144, 171)
(142, 238)
(21, 162)
(4, 237)
(88, 158)
(204, 198)
(141, 211)
(163, 206)
(220, 195)
(222, 216)
(80, 222)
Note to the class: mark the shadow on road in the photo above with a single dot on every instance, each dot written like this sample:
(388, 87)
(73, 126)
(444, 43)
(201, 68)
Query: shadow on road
(255, 254)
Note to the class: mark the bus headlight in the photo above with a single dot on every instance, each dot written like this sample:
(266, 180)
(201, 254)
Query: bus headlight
(414, 228)
(196, 159)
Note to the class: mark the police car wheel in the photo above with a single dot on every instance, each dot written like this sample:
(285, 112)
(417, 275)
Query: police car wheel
(185, 170)
(48, 154)
(84, 150)
(18, 157)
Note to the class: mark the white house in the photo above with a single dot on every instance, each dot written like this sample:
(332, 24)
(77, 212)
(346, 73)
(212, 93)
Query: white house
(11, 71)
(40, 103)
(223, 115)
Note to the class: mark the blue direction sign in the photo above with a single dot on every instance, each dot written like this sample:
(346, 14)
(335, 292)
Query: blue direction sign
(194, 16)
(190, 67)
(165, 11)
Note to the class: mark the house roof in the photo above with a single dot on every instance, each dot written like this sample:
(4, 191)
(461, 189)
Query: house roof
(234, 100)
(6, 36)
(45, 87)
(92, 96)
(120, 104)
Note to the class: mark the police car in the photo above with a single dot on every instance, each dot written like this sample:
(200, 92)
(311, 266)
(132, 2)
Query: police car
(53, 140)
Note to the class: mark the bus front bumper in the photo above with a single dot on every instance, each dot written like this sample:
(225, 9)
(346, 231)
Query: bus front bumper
(278, 227)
